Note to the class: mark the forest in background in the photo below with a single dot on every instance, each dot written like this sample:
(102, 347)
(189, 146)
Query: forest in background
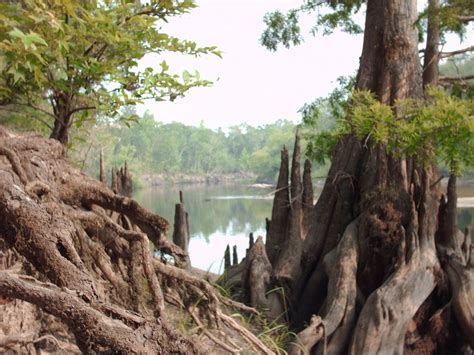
(152, 147)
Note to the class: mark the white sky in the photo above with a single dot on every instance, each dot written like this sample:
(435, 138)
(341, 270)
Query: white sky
(251, 84)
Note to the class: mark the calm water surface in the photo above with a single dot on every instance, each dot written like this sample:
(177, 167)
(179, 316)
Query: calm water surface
(225, 214)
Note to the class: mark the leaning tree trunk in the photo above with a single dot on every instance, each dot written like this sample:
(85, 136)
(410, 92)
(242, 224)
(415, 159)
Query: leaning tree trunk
(374, 263)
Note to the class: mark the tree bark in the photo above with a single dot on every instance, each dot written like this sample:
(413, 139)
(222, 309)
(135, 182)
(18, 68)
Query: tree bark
(63, 118)
(287, 267)
(431, 58)
(371, 265)
(281, 206)
(181, 230)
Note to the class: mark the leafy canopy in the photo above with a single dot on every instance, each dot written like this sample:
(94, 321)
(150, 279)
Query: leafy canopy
(283, 28)
(89, 52)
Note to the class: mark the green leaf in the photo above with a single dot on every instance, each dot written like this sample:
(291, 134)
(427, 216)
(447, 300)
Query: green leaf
(3, 63)
(16, 33)
(33, 37)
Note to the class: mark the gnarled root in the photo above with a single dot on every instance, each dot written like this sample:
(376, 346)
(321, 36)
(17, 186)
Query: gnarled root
(460, 270)
(92, 245)
(341, 299)
(92, 328)
(384, 319)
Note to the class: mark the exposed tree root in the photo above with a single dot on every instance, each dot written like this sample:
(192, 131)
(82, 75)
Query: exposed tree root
(212, 336)
(20, 341)
(383, 322)
(342, 290)
(90, 248)
(256, 343)
(92, 328)
(461, 276)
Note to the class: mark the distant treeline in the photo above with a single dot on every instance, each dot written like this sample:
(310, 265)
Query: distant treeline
(152, 147)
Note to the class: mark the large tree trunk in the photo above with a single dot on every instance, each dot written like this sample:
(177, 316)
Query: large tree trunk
(375, 261)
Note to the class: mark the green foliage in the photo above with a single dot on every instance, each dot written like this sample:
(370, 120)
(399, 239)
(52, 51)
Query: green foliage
(319, 120)
(451, 16)
(339, 14)
(281, 28)
(330, 15)
(440, 127)
(87, 53)
(152, 147)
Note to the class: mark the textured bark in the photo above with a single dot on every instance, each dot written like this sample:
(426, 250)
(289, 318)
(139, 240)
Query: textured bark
(308, 198)
(181, 230)
(227, 262)
(431, 57)
(384, 319)
(461, 276)
(63, 118)
(235, 256)
(256, 276)
(287, 266)
(389, 63)
(339, 312)
(281, 206)
(126, 181)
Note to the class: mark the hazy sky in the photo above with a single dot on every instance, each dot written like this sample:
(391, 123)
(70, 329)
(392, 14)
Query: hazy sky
(251, 84)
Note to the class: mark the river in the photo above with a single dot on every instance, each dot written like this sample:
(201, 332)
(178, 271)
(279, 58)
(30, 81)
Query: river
(221, 215)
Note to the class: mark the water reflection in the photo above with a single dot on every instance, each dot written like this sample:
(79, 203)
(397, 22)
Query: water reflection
(226, 214)
(466, 218)
(218, 215)
(212, 208)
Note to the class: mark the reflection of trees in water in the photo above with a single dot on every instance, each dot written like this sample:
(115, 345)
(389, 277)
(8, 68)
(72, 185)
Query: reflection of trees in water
(208, 215)
(465, 217)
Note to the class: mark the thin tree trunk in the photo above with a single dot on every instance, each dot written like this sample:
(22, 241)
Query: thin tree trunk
(102, 176)
(62, 122)
(181, 229)
(431, 58)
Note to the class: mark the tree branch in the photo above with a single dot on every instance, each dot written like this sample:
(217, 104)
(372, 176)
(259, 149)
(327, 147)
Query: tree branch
(456, 78)
(453, 53)
(34, 117)
(82, 108)
(466, 18)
